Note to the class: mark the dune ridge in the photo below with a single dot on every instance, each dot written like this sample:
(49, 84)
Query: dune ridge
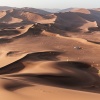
(49, 56)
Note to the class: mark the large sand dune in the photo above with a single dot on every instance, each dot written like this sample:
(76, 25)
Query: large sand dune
(54, 57)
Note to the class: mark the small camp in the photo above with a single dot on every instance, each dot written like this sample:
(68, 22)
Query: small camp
(78, 47)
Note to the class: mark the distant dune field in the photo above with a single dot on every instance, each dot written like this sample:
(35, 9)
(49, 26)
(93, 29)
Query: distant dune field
(49, 56)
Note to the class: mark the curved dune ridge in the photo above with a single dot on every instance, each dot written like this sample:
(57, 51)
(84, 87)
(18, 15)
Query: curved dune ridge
(26, 15)
(54, 57)
(76, 19)
(81, 10)
(8, 19)
(42, 69)
(43, 73)
(48, 66)
(17, 16)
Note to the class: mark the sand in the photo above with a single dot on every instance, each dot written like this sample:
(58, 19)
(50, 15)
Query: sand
(43, 61)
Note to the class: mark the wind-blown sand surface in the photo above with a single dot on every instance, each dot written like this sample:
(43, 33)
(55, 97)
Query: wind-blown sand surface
(38, 64)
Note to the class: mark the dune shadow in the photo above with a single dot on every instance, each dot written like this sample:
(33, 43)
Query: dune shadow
(93, 42)
(18, 65)
(40, 56)
(15, 84)
(4, 40)
(75, 75)
(78, 65)
(9, 32)
(12, 68)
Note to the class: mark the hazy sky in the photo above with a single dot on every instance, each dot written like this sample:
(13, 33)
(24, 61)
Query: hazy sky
(51, 3)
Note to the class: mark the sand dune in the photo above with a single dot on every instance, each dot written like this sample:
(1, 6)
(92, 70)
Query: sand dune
(75, 20)
(90, 16)
(18, 16)
(72, 21)
(34, 10)
(54, 56)
(81, 10)
(2, 14)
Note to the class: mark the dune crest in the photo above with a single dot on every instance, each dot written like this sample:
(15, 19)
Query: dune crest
(49, 56)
